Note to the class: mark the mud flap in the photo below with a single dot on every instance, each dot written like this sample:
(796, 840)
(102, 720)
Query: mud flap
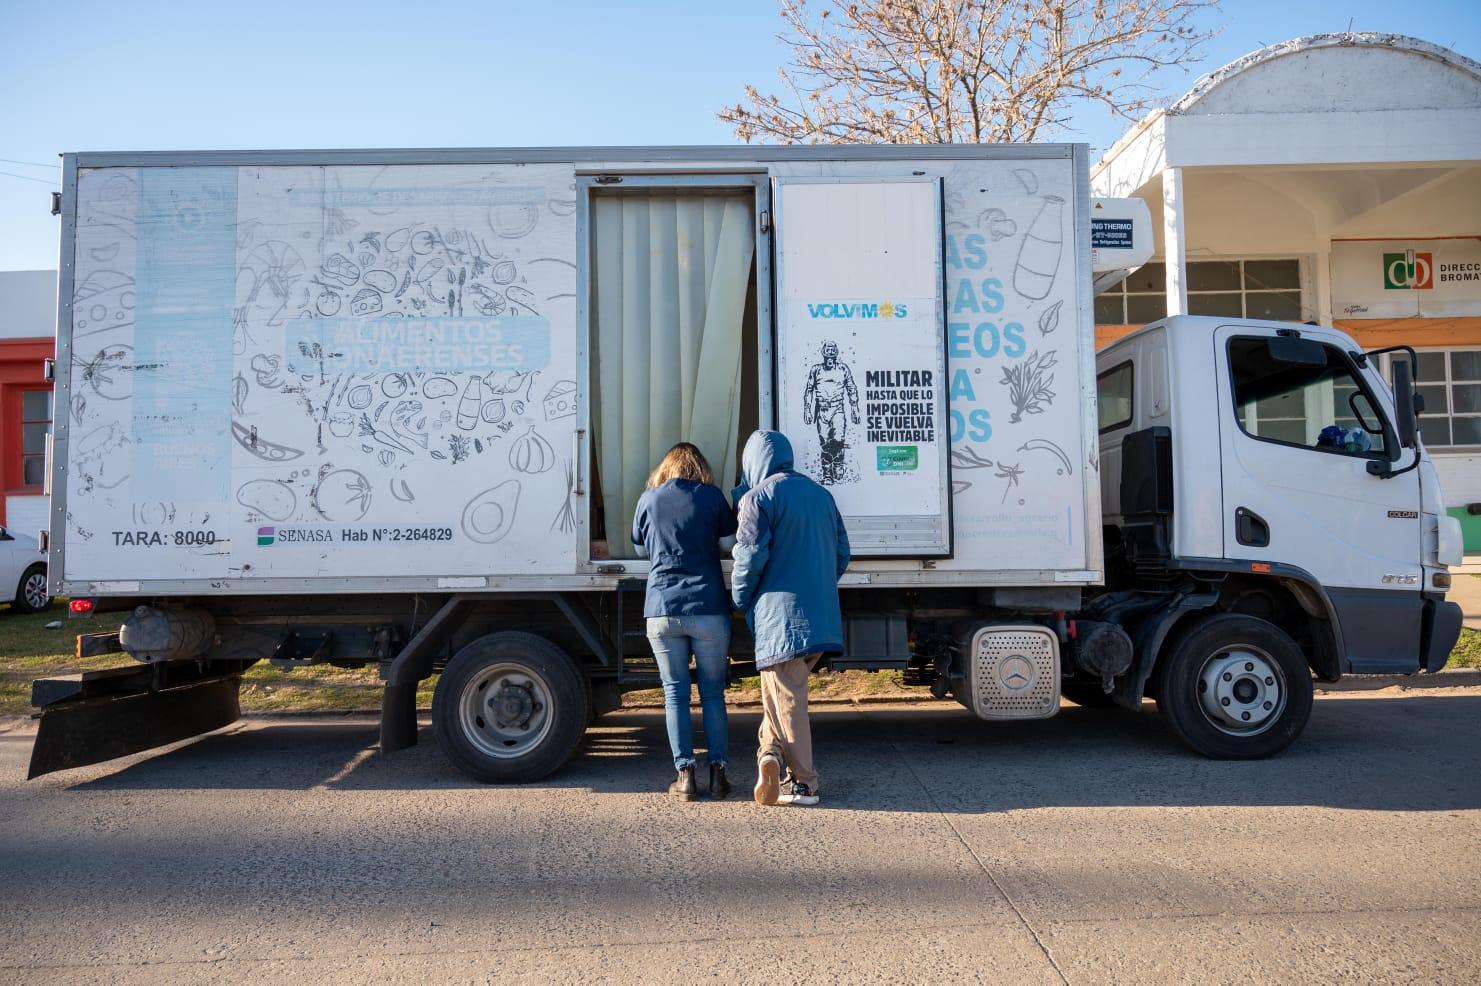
(86, 727)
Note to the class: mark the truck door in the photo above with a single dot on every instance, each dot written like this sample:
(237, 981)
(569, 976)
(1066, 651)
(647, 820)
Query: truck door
(861, 354)
(678, 331)
(1299, 424)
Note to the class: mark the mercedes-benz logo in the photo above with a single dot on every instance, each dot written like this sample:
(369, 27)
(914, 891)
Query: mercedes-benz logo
(1016, 673)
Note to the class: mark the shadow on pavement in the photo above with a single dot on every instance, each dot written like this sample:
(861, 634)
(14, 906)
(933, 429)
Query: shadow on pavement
(1397, 753)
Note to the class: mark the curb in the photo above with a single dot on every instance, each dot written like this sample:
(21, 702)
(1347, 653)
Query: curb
(1457, 678)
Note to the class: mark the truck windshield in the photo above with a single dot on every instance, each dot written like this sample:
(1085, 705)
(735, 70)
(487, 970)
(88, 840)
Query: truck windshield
(1320, 407)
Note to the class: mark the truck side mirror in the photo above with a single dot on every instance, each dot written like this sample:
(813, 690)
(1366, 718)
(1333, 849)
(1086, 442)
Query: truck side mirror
(1404, 406)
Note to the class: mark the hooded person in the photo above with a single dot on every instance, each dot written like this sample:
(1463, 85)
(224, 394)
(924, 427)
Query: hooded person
(790, 551)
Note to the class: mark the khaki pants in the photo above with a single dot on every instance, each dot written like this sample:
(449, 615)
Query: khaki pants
(785, 732)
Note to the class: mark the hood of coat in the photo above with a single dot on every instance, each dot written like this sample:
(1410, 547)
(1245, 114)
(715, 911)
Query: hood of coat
(766, 453)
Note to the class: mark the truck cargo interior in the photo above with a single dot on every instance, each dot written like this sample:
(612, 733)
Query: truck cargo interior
(673, 323)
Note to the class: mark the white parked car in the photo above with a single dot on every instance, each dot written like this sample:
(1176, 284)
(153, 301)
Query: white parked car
(22, 574)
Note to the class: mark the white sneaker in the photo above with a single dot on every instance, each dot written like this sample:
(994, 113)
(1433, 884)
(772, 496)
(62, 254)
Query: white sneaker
(798, 794)
(768, 780)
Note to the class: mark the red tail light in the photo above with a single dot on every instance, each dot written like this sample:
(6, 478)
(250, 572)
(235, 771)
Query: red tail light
(81, 606)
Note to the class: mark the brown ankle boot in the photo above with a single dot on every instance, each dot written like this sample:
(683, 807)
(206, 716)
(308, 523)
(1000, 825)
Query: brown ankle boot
(683, 786)
(719, 784)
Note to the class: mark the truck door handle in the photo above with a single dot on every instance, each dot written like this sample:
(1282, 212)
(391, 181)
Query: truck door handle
(576, 437)
(1250, 529)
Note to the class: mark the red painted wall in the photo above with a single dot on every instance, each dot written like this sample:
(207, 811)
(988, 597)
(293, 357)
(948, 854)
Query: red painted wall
(20, 369)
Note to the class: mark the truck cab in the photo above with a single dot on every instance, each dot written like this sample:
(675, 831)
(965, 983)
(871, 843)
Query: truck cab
(1275, 465)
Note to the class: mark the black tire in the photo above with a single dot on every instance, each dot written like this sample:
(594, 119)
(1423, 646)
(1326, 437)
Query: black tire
(547, 704)
(26, 599)
(1228, 668)
(1087, 694)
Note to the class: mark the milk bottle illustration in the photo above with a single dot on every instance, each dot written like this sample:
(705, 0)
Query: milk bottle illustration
(1038, 257)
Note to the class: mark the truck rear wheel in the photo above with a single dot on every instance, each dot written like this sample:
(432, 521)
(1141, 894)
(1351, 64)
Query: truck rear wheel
(510, 707)
(1235, 688)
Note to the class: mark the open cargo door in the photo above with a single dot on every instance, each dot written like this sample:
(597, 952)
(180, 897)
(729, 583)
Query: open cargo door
(861, 356)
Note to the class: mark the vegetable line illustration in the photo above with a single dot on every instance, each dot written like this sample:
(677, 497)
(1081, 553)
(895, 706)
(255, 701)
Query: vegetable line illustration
(1012, 474)
(531, 453)
(1049, 318)
(1044, 445)
(966, 457)
(565, 519)
(1029, 384)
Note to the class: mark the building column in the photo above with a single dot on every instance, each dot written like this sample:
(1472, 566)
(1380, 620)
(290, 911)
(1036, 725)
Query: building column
(1323, 277)
(1174, 245)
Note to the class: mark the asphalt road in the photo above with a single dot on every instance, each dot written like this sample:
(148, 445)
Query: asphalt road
(1087, 848)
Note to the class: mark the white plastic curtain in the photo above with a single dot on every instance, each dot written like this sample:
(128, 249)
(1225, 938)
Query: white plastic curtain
(670, 292)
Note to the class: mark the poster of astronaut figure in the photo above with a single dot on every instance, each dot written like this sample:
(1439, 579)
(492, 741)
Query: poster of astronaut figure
(861, 356)
(830, 402)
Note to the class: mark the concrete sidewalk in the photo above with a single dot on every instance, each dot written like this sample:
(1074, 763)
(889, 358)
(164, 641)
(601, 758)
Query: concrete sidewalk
(1465, 588)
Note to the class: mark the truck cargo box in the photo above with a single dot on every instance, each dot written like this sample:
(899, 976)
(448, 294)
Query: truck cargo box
(371, 371)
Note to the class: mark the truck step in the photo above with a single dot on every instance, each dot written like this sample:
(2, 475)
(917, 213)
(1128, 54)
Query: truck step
(97, 644)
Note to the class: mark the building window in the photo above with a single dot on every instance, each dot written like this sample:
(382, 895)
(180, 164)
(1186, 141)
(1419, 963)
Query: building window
(1450, 380)
(1264, 289)
(1139, 299)
(35, 426)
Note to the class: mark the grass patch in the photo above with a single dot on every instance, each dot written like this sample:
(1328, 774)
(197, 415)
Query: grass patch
(827, 684)
(320, 688)
(1467, 650)
(28, 650)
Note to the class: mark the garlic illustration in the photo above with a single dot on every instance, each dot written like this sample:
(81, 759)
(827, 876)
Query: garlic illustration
(531, 453)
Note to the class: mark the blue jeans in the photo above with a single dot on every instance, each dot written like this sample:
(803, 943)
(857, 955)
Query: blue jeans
(707, 638)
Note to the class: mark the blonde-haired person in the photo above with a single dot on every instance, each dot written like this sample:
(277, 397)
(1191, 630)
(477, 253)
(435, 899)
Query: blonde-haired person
(680, 524)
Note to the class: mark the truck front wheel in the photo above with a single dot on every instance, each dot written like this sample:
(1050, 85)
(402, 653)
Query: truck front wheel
(1235, 688)
(510, 707)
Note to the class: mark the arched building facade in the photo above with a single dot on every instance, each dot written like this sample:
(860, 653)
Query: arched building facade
(1336, 179)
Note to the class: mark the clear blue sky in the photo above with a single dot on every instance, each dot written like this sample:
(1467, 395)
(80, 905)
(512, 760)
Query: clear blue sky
(135, 74)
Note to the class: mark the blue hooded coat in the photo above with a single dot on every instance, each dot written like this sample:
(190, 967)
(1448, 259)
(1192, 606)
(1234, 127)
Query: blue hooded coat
(790, 551)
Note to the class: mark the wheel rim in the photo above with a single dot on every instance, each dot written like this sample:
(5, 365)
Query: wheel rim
(505, 710)
(1241, 690)
(34, 590)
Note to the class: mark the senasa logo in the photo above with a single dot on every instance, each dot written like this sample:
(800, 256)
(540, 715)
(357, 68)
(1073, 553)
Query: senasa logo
(266, 536)
(1400, 275)
(857, 309)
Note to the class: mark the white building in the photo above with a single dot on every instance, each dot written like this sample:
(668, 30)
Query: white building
(1337, 179)
(28, 326)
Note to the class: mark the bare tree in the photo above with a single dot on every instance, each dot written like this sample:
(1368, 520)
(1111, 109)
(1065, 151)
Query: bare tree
(952, 71)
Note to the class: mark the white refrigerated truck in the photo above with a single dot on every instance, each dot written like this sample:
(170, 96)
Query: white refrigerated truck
(394, 408)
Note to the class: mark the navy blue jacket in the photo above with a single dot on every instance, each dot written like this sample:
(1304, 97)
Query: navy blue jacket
(679, 525)
(789, 554)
